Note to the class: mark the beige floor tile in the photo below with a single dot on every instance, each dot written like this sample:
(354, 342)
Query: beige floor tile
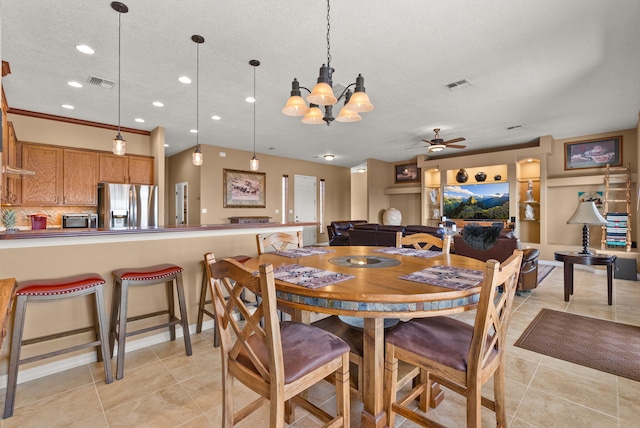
(520, 370)
(200, 422)
(203, 360)
(29, 392)
(176, 347)
(132, 360)
(541, 408)
(58, 410)
(599, 395)
(169, 407)
(135, 383)
(629, 398)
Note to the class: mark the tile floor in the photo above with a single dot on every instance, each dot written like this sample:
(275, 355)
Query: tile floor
(164, 388)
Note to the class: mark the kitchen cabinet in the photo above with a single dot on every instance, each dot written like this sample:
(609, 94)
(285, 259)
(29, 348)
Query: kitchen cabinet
(11, 183)
(126, 169)
(62, 176)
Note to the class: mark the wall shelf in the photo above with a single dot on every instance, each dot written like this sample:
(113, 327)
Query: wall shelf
(401, 190)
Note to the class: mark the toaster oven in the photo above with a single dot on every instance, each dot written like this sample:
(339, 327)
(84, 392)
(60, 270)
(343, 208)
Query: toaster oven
(82, 221)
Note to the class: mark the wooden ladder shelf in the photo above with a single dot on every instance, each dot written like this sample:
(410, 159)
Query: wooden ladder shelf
(617, 208)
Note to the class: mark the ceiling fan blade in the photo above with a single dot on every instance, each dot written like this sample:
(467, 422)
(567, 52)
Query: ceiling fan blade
(455, 146)
(455, 140)
(428, 141)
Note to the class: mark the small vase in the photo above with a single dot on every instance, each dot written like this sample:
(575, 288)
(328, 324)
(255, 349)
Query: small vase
(462, 176)
(481, 176)
(497, 177)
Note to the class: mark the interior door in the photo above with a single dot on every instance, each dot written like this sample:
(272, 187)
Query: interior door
(305, 206)
(181, 203)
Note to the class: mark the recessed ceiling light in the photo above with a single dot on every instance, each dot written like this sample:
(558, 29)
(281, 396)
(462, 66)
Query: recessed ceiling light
(85, 49)
(216, 117)
(194, 131)
(166, 145)
(361, 170)
(139, 120)
(158, 104)
(68, 106)
(250, 100)
(184, 79)
(74, 84)
(329, 157)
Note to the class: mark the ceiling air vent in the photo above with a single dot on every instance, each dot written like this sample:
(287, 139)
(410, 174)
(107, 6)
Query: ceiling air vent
(99, 81)
(460, 84)
(509, 128)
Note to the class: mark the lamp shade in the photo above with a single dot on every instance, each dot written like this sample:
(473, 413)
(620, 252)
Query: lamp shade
(359, 102)
(295, 106)
(347, 115)
(197, 158)
(587, 213)
(437, 147)
(322, 95)
(314, 117)
(119, 145)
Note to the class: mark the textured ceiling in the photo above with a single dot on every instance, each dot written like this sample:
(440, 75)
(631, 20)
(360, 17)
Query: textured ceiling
(561, 68)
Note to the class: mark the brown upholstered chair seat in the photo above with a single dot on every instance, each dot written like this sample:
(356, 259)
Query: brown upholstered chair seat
(442, 339)
(303, 350)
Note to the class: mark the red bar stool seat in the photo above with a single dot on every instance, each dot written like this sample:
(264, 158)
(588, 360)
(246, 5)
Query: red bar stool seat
(54, 289)
(134, 277)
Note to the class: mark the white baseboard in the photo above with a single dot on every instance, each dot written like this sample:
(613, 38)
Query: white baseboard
(90, 356)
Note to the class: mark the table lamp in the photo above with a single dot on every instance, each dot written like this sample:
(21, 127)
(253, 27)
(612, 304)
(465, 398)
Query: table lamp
(587, 215)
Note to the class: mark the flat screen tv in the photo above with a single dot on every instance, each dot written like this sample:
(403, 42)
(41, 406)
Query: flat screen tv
(486, 201)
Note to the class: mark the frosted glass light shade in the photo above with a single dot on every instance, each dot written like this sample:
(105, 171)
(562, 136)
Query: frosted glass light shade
(254, 163)
(437, 148)
(359, 102)
(295, 106)
(314, 117)
(347, 115)
(198, 158)
(118, 145)
(322, 95)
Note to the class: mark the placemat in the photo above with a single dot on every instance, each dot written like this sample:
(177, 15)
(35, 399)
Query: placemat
(308, 277)
(301, 252)
(425, 254)
(447, 276)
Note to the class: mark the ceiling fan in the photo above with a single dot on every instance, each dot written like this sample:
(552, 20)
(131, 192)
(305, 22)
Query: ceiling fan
(438, 144)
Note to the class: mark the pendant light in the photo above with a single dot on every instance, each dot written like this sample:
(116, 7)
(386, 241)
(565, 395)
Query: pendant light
(254, 163)
(322, 95)
(197, 154)
(119, 142)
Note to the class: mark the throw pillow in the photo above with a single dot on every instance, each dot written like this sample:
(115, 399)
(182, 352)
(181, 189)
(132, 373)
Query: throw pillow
(480, 237)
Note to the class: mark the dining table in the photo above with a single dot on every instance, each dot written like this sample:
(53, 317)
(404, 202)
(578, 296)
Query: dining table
(373, 284)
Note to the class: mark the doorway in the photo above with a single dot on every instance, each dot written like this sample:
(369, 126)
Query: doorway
(304, 206)
(182, 199)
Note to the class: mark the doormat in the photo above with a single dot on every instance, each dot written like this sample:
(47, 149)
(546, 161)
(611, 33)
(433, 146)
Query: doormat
(544, 271)
(607, 346)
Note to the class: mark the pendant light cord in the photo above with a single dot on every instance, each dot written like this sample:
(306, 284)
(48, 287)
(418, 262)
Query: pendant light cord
(119, 66)
(197, 95)
(328, 30)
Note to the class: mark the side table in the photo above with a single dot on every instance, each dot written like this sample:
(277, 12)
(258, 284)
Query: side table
(569, 258)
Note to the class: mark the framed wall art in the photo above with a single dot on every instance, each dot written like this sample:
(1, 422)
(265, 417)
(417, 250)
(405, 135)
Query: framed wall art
(407, 173)
(244, 189)
(593, 153)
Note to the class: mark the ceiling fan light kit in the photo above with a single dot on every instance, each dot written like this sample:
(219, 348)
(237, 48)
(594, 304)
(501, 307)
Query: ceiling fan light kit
(322, 95)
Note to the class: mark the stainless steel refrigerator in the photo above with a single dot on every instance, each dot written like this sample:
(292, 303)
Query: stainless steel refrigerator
(127, 206)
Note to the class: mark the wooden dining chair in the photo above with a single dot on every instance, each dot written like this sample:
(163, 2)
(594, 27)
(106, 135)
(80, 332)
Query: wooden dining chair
(278, 241)
(458, 355)
(277, 361)
(424, 241)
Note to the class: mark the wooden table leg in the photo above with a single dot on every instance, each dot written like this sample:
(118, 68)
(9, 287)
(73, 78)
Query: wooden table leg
(568, 280)
(373, 415)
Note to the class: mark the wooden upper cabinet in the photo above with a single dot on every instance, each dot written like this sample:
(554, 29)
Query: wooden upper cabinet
(45, 187)
(140, 170)
(113, 168)
(80, 180)
(126, 169)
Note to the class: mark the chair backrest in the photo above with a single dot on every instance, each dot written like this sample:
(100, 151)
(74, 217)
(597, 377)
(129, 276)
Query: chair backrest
(246, 339)
(278, 241)
(424, 241)
(493, 314)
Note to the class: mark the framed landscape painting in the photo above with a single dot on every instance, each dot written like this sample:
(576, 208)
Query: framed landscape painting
(244, 189)
(407, 173)
(593, 153)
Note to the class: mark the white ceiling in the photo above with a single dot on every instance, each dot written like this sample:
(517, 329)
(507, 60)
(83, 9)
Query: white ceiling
(556, 67)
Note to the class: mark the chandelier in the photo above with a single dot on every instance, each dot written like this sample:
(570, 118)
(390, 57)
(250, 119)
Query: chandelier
(356, 101)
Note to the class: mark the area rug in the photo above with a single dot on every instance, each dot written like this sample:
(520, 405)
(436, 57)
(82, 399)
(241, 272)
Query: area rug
(607, 346)
(544, 271)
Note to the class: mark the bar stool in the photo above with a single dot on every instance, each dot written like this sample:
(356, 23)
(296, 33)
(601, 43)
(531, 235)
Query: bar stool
(134, 277)
(202, 310)
(55, 289)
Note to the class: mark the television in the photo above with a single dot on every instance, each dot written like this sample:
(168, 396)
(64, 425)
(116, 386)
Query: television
(484, 201)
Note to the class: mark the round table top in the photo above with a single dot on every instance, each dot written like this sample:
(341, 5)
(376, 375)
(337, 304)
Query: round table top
(375, 291)
(603, 258)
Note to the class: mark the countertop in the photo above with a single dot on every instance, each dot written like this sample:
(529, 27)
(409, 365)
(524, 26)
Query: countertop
(60, 233)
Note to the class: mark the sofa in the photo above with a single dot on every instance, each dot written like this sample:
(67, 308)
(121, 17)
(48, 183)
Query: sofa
(338, 231)
(505, 243)
(385, 235)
